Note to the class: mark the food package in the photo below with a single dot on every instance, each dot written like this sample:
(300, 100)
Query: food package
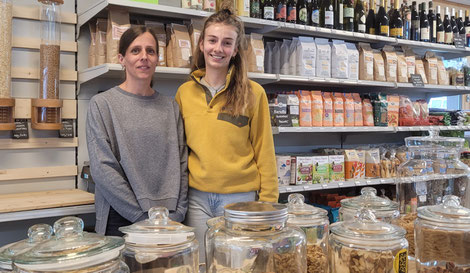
(321, 169)
(255, 54)
(430, 66)
(293, 56)
(393, 109)
(338, 110)
(348, 110)
(118, 23)
(285, 56)
(305, 108)
(379, 67)
(160, 33)
(283, 169)
(293, 170)
(406, 112)
(195, 29)
(92, 48)
(276, 58)
(367, 112)
(391, 62)
(366, 62)
(372, 163)
(358, 118)
(354, 162)
(420, 70)
(336, 163)
(100, 56)
(442, 74)
(304, 170)
(385, 165)
(268, 57)
(169, 48)
(402, 68)
(423, 112)
(339, 60)
(293, 109)
(179, 45)
(410, 61)
(327, 109)
(317, 109)
(323, 60)
(380, 104)
(353, 61)
(306, 56)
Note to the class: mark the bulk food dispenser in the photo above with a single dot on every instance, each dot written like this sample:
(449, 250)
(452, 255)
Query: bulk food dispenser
(46, 110)
(432, 171)
(7, 104)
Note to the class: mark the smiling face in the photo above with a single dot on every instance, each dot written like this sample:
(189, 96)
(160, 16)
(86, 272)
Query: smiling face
(141, 58)
(219, 45)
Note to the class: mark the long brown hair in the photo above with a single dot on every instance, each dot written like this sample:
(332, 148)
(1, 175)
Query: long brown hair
(239, 94)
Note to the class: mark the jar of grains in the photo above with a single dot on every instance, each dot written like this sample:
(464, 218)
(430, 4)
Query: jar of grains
(6, 102)
(314, 222)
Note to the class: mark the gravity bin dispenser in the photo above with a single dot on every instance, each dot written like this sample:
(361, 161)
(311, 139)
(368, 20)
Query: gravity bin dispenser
(46, 110)
(7, 104)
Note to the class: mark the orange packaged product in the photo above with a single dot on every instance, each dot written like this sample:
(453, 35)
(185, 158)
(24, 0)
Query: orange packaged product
(338, 108)
(348, 110)
(317, 108)
(354, 164)
(393, 109)
(358, 121)
(367, 112)
(327, 109)
(406, 112)
(305, 108)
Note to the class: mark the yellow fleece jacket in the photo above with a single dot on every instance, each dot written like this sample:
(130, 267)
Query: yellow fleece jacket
(228, 154)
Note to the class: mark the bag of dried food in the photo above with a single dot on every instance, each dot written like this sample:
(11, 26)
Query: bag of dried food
(338, 107)
(305, 108)
(348, 110)
(366, 62)
(406, 112)
(367, 112)
(327, 109)
(372, 163)
(380, 109)
(317, 108)
(358, 117)
(393, 109)
(118, 23)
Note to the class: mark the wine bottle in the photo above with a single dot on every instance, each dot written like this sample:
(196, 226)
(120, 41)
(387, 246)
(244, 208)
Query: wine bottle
(448, 39)
(414, 23)
(281, 11)
(348, 15)
(327, 15)
(382, 21)
(314, 13)
(423, 24)
(406, 17)
(461, 25)
(291, 11)
(467, 28)
(453, 23)
(396, 22)
(255, 11)
(268, 10)
(359, 17)
(339, 14)
(302, 14)
(390, 10)
(440, 34)
(432, 24)
(370, 20)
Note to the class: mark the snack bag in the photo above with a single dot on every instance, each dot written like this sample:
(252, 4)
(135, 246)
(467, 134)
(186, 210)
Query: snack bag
(338, 108)
(393, 109)
(406, 112)
(372, 163)
(327, 109)
(317, 108)
(367, 112)
(305, 108)
(348, 110)
(358, 118)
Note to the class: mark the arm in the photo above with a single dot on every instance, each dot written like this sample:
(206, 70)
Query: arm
(106, 171)
(263, 145)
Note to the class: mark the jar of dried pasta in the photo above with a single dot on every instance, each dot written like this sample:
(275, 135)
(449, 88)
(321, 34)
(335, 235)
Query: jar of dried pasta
(443, 237)
(385, 209)
(314, 222)
(7, 104)
(71, 250)
(367, 245)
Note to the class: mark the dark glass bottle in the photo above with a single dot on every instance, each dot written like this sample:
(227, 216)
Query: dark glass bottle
(268, 10)
(291, 11)
(423, 23)
(255, 11)
(338, 8)
(467, 28)
(453, 23)
(396, 22)
(370, 20)
(327, 16)
(414, 22)
(461, 25)
(359, 17)
(348, 15)
(405, 13)
(314, 13)
(440, 33)
(302, 13)
(449, 37)
(432, 24)
(281, 10)
(382, 21)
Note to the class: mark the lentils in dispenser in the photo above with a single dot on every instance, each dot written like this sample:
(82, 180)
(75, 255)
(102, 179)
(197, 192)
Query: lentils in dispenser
(254, 237)
(314, 222)
(432, 171)
(160, 245)
(385, 209)
(46, 109)
(71, 250)
(7, 104)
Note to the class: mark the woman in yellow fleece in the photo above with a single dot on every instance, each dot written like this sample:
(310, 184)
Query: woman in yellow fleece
(227, 126)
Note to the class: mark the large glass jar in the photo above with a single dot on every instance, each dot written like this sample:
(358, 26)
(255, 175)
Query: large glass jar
(432, 171)
(314, 222)
(159, 244)
(443, 237)
(255, 238)
(73, 250)
(36, 234)
(6, 102)
(367, 245)
(384, 209)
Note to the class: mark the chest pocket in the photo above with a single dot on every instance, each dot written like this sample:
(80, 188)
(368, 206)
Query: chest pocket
(239, 121)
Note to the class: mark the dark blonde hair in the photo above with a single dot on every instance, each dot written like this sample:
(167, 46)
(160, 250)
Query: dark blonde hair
(239, 93)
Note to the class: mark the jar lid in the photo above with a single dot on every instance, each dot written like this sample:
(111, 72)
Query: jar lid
(159, 229)
(71, 248)
(36, 234)
(366, 227)
(301, 213)
(435, 141)
(255, 212)
(47, 2)
(449, 211)
(369, 199)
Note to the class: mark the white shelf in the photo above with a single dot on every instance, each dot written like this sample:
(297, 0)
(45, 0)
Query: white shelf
(45, 213)
(336, 185)
(366, 129)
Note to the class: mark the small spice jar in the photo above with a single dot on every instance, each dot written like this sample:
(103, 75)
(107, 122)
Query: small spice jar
(314, 222)
(7, 104)
(36, 234)
(367, 245)
(73, 250)
(254, 237)
(46, 109)
(385, 209)
(443, 237)
(160, 245)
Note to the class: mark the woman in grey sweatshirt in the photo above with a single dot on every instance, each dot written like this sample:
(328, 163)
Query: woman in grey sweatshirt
(135, 138)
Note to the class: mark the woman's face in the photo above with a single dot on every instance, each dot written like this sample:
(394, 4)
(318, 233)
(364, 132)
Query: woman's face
(219, 45)
(141, 58)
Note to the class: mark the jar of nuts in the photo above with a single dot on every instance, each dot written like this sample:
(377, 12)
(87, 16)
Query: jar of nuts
(443, 237)
(367, 245)
(314, 222)
(385, 209)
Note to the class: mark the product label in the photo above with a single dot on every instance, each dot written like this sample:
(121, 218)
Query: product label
(281, 12)
(341, 14)
(372, 31)
(424, 34)
(209, 4)
(292, 13)
(434, 29)
(467, 30)
(440, 37)
(268, 13)
(316, 16)
(329, 15)
(303, 15)
(348, 12)
(448, 38)
(255, 7)
(246, 6)
(384, 30)
(400, 263)
(361, 28)
(118, 31)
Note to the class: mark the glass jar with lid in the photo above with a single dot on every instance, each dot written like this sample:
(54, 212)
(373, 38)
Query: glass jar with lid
(254, 237)
(36, 234)
(73, 250)
(314, 222)
(443, 237)
(367, 245)
(432, 171)
(385, 209)
(159, 244)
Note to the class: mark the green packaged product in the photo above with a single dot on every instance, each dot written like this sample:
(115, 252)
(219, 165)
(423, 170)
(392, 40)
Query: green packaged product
(379, 101)
(321, 170)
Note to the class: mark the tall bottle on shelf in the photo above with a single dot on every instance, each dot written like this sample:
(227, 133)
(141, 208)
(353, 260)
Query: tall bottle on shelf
(370, 20)
(432, 24)
(281, 10)
(453, 23)
(390, 9)
(405, 14)
(461, 25)
(255, 9)
(396, 22)
(327, 15)
(423, 24)
(314, 12)
(382, 21)
(467, 28)
(440, 33)
(448, 37)
(291, 11)
(415, 36)
(359, 17)
(339, 14)
(243, 8)
(302, 12)
(348, 15)
(268, 10)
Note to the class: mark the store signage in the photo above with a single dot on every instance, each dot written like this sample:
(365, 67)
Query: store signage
(459, 42)
(417, 80)
(22, 130)
(67, 129)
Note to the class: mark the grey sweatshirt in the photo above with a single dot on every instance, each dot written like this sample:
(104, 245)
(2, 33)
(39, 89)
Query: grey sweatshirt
(138, 155)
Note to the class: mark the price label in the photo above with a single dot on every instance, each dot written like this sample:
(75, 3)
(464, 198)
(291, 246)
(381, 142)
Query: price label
(67, 129)
(325, 186)
(459, 42)
(417, 80)
(22, 130)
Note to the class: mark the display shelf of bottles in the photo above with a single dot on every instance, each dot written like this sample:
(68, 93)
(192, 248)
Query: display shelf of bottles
(366, 129)
(336, 185)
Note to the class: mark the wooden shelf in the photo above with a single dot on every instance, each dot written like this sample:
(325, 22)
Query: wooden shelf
(366, 129)
(32, 43)
(33, 74)
(336, 185)
(37, 173)
(32, 13)
(38, 143)
(23, 109)
(44, 200)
